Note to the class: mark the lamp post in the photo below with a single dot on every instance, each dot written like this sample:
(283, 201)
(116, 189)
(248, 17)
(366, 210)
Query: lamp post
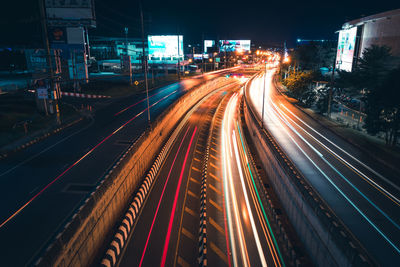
(145, 64)
(263, 101)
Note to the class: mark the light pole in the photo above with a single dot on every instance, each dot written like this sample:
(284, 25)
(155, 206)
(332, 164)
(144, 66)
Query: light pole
(263, 101)
(145, 64)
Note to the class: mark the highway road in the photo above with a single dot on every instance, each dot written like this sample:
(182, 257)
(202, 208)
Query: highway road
(363, 193)
(43, 185)
(166, 232)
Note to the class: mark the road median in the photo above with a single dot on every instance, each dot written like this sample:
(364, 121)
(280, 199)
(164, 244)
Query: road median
(86, 234)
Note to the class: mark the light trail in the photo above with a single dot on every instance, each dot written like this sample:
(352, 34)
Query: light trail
(253, 225)
(332, 167)
(140, 101)
(369, 180)
(171, 219)
(279, 119)
(79, 160)
(269, 232)
(161, 197)
(226, 173)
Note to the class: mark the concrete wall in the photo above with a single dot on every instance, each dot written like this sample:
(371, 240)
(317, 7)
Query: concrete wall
(326, 239)
(83, 237)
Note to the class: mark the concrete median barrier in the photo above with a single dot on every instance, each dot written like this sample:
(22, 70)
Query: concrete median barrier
(79, 243)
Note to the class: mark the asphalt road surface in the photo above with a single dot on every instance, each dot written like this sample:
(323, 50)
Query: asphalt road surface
(43, 185)
(363, 193)
(167, 230)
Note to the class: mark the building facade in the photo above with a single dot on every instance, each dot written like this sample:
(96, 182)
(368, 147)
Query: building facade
(381, 29)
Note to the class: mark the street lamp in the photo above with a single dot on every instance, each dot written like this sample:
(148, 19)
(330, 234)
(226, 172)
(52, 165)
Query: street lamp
(263, 103)
(286, 60)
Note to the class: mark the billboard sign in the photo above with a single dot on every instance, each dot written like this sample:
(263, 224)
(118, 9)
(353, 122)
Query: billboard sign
(42, 93)
(234, 45)
(165, 45)
(42, 89)
(70, 12)
(345, 50)
(207, 44)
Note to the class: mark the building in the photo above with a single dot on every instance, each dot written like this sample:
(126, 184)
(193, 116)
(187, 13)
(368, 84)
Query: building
(381, 29)
(109, 50)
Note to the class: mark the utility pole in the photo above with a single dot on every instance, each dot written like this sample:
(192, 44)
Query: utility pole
(331, 88)
(145, 63)
(179, 62)
(204, 52)
(48, 56)
(127, 57)
(225, 55)
(126, 29)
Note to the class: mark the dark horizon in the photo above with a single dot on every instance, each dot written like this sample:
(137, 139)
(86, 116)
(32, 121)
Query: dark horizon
(261, 22)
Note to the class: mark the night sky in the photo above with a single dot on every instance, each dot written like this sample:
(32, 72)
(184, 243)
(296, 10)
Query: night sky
(260, 21)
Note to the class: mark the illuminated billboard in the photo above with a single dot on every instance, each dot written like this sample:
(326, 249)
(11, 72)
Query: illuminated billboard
(165, 45)
(70, 12)
(345, 50)
(207, 44)
(234, 45)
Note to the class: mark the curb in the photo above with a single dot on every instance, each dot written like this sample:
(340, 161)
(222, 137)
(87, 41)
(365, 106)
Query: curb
(203, 210)
(37, 139)
(271, 209)
(347, 139)
(121, 236)
(350, 141)
(203, 199)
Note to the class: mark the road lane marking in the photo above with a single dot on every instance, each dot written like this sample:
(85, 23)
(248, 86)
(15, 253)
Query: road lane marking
(219, 252)
(215, 177)
(194, 180)
(171, 219)
(188, 234)
(190, 211)
(218, 207)
(217, 226)
(161, 197)
(214, 150)
(190, 193)
(46, 149)
(196, 159)
(197, 170)
(215, 189)
(182, 262)
(79, 160)
(211, 164)
(214, 157)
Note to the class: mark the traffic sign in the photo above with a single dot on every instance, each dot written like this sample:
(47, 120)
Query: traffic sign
(136, 83)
